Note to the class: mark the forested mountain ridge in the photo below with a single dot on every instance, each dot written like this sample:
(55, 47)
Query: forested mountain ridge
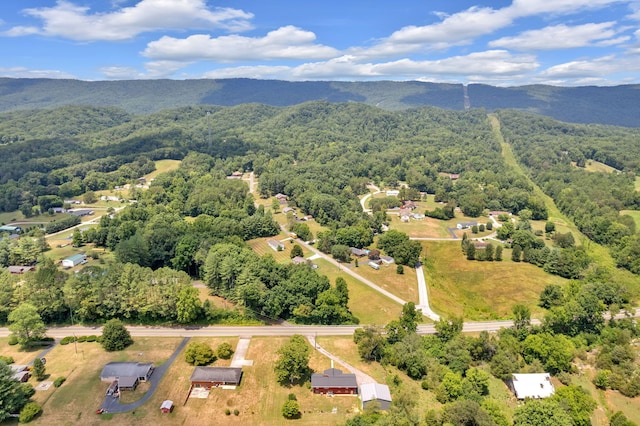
(617, 105)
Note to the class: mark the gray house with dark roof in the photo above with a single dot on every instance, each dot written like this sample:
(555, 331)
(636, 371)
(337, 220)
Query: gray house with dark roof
(126, 374)
(208, 377)
(334, 382)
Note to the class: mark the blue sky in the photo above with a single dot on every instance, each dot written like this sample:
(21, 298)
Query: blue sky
(501, 42)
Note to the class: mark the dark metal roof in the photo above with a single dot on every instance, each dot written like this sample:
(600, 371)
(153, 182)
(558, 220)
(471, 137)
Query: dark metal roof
(333, 378)
(216, 374)
(125, 369)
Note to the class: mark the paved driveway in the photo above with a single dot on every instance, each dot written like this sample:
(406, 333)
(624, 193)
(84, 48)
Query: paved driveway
(112, 404)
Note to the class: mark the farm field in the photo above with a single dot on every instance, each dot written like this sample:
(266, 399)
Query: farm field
(404, 286)
(480, 290)
(369, 306)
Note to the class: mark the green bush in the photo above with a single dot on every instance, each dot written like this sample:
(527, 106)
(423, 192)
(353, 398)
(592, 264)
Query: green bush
(59, 381)
(92, 338)
(66, 340)
(227, 412)
(292, 397)
(29, 411)
(82, 339)
(13, 340)
(6, 359)
(291, 410)
(236, 412)
(224, 351)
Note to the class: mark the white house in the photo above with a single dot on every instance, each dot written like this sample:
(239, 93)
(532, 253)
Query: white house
(532, 385)
(275, 244)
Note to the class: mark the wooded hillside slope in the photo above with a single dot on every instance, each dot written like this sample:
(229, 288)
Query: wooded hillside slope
(618, 105)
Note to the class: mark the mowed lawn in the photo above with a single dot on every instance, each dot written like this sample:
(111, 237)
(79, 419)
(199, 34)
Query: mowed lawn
(258, 399)
(76, 401)
(480, 290)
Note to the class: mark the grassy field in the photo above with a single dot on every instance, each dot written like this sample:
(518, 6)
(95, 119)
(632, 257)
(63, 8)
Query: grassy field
(369, 306)
(635, 214)
(404, 286)
(480, 290)
(596, 166)
(163, 166)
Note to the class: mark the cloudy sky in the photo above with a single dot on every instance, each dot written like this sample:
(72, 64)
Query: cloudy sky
(499, 42)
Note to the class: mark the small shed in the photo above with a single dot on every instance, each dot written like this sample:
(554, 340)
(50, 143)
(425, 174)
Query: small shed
(372, 393)
(167, 406)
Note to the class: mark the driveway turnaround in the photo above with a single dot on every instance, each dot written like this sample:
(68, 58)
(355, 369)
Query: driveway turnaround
(111, 404)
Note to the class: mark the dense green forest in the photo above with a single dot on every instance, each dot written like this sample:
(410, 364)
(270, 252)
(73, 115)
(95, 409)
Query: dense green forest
(617, 105)
(322, 155)
(193, 222)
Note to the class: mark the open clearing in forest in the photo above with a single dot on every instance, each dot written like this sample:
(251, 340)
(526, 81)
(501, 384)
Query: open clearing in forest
(480, 290)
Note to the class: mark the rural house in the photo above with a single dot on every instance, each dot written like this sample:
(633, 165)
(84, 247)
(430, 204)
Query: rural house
(19, 270)
(334, 382)
(372, 393)
(358, 252)
(275, 244)
(532, 385)
(126, 374)
(466, 225)
(209, 377)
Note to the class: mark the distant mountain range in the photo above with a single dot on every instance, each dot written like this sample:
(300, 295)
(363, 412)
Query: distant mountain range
(615, 105)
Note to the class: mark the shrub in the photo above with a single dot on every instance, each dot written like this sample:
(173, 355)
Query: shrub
(82, 339)
(227, 411)
(292, 397)
(13, 340)
(199, 354)
(236, 412)
(6, 359)
(59, 381)
(67, 340)
(399, 270)
(291, 410)
(29, 411)
(224, 351)
(92, 338)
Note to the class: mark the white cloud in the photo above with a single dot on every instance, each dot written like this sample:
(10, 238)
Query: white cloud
(162, 69)
(258, 72)
(492, 63)
(120, 73)
(591, 68)
(23, 72)
(284, 43)
(557, 37)
(523, 8)
(74, 22)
